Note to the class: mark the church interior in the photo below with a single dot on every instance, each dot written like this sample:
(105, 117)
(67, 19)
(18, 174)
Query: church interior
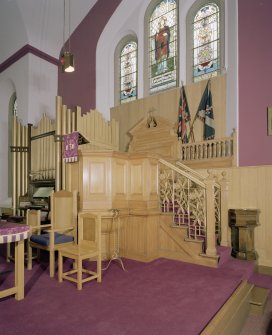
(136, 155)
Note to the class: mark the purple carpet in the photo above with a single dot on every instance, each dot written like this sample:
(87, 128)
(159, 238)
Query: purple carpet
(160, 297)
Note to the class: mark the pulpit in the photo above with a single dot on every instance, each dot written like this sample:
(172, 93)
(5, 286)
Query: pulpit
(125, 181)
(242, 223)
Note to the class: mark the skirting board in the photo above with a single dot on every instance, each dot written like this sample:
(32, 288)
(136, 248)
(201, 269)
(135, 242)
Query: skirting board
(265, 270)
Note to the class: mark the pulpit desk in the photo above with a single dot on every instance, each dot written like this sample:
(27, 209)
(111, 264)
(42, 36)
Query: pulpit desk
(14, 232)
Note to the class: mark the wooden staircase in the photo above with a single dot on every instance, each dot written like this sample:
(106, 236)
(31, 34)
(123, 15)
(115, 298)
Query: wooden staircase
(175, 244)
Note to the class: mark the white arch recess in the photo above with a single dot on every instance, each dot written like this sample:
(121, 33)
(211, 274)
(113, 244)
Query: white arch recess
(115, 30)
(7, 89)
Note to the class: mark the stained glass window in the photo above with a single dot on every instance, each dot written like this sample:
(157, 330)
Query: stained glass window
(163, 46)
(206, 48)
(128, 71)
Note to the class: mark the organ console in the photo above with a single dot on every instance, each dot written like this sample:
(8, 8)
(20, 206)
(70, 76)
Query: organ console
(39, 198)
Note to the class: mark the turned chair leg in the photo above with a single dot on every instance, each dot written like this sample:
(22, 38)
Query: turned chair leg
(52, 263)
(29, 257)
(60, 267)
(99, 270)
(79, 274)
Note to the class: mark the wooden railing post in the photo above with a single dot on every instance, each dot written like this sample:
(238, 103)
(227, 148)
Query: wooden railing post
(225, 230)
(210, 196)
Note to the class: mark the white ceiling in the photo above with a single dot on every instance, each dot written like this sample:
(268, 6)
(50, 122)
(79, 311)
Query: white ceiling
(38, 23)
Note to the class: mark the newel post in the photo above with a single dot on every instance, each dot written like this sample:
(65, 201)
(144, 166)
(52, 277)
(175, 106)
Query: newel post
(225, 230)
(210, 196)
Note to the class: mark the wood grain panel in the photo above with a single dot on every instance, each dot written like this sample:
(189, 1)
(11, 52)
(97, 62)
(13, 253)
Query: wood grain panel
(97, 174)
(120, 177)
(166, 104)
(136, 179)
(154, 178)
(251, 187)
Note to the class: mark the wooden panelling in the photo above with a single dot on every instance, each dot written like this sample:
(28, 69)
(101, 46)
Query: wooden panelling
(166, 104)
(114, 180)
(153, 180)
(251, 187)
(140, 236)
(129, 183)
(97, 173)
(120, 177)
(96, 188)
(136, 180)
(161, 139)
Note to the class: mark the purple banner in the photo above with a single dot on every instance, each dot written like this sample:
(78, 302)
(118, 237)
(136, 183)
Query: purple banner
(70, 147)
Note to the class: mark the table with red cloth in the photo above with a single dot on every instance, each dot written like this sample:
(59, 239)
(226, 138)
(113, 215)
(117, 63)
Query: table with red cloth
(14, 232)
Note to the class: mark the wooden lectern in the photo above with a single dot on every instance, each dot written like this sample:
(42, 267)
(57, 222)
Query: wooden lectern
(242, 223)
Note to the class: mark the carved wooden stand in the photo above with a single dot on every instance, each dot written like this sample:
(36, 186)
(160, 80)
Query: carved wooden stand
(242, 223)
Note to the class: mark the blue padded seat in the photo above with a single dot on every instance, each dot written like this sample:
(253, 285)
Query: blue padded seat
(43, 239)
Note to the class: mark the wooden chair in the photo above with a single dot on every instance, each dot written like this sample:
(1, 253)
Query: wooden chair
(62, 229)
(33, 220)
(88, 248)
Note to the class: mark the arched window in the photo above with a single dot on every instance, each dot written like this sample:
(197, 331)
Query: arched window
(128, 72)
(163, 40)
(206, 45)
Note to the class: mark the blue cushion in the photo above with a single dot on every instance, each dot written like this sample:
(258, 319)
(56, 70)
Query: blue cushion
(43, 239)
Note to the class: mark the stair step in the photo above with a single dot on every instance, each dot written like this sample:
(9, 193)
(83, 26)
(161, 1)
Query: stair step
(224, 254)
(258, 300)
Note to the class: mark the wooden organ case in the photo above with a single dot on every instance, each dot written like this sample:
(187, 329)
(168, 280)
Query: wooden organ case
(37, 152)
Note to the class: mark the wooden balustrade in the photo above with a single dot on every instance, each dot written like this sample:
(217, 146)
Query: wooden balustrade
(220, 151)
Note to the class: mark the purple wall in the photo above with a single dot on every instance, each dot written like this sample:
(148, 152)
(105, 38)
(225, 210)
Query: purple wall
(79, 87)
(255, 81)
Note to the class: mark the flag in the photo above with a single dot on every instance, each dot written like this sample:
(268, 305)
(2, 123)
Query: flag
(183, 118)
(205, 113)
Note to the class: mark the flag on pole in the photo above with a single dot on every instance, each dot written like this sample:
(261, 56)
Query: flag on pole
(205, 113)
(183, 118)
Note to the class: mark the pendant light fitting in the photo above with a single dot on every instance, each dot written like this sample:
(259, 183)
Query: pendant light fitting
(67, 58)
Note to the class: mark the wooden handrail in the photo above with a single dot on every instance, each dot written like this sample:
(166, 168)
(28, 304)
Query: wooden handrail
(184, 167)
(185, 174)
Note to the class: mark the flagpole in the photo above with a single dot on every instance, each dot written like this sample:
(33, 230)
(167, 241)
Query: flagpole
(208, 86)
(190, 127)
(191, 131)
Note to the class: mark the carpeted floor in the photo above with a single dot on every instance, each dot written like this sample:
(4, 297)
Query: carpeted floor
(161, 297)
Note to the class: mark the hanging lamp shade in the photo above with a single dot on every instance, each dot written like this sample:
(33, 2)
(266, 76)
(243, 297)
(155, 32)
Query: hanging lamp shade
(67, 61)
